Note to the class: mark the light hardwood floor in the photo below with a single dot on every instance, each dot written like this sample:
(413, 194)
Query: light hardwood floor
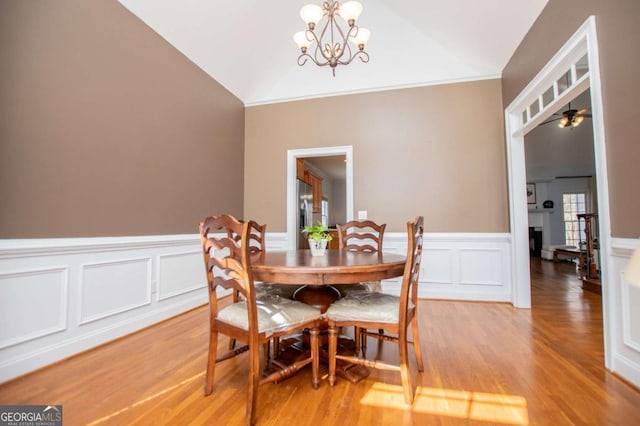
(485, 363)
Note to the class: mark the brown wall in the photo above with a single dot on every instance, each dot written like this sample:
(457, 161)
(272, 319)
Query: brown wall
(437, 151)
(618, 29)
(106, 129)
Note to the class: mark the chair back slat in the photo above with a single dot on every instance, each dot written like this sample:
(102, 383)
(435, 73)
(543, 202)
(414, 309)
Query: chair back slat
(257, 234)
(361, 235)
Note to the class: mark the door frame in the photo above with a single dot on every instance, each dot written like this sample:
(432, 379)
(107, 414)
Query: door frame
(583, 41)
(292, 156)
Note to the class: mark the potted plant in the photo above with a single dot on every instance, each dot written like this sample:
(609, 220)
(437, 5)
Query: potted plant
(318, 237)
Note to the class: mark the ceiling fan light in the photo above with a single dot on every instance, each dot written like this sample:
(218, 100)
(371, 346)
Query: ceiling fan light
(577, 120)
(311, 14)
(350, 11)
(564, 122)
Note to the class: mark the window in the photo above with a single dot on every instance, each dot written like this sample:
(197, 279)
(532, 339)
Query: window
(572, 205)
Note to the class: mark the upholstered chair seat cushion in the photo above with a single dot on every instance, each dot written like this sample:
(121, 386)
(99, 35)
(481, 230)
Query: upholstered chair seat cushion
(346, 289)
(366, 306)
(274, 313)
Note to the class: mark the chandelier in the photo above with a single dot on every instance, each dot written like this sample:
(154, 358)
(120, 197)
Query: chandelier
(333, 46)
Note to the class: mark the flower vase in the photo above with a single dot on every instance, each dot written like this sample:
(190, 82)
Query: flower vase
(318, 247)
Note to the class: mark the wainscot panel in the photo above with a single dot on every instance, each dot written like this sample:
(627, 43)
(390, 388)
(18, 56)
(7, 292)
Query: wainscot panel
(109, 288)
(59, 297)
(34, 304)
(459, 266)
(622, 301)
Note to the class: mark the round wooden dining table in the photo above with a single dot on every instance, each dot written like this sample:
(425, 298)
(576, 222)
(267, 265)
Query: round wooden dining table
(318, 277)
(320, 274)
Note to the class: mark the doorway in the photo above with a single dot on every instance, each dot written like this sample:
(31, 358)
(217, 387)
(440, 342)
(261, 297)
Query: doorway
(332, 169)
(560, 161)
(560, 167)
(577, 64)
(292, 203)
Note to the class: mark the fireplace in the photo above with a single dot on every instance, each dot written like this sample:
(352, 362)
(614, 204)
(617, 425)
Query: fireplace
(535, 241)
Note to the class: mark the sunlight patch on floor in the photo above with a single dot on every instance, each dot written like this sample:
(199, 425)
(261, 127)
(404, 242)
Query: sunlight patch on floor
(490, 407)
(144, 400)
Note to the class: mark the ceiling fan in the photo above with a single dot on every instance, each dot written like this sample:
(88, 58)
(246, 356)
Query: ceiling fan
(569, 118)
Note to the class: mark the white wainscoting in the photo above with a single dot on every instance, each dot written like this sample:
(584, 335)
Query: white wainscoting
(621, 304)
(59, 297)
(458, 266)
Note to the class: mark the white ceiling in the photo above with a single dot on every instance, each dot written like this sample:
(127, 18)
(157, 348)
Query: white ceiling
(247, 45)
(551, 151)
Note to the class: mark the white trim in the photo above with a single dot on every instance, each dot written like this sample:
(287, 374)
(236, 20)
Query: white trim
(74, 332)
(482, 274)
(373, 90)
(61, 305)
(48, 352)
(294, 154)
(17, 256)
(186, 288)
(627, 339)
(584, 40)
(83, 286)
(11, 248)
(625, 359)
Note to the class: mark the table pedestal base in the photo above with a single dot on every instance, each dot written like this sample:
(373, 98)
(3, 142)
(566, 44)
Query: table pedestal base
(296, 348)
(318, 296)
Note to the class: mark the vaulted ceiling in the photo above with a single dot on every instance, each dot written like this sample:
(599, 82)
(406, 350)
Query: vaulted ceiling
(247, 45)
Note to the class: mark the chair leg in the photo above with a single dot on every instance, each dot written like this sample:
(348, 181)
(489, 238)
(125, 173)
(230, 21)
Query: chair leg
(357, 337)
(254, 381)
(417, 348)
(232, 344)
(405, 373)
(315, 358)
(276, 347)
(267, 354)
(333, 348)
(211, 362)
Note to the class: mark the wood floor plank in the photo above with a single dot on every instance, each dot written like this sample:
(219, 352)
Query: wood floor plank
(485, 363)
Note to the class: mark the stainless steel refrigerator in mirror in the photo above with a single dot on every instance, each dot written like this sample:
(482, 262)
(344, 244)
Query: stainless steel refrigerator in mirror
(305, 212)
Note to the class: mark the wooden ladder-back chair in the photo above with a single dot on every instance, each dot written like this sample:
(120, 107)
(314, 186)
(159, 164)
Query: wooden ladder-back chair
(365, 236)
(257, 245)
(377, 310)
(253, 322)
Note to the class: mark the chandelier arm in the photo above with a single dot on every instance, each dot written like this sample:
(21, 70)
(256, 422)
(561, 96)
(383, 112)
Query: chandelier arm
(319, 40)
(345, 42)
(364, 56)
(303, 58)
(314, 57)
